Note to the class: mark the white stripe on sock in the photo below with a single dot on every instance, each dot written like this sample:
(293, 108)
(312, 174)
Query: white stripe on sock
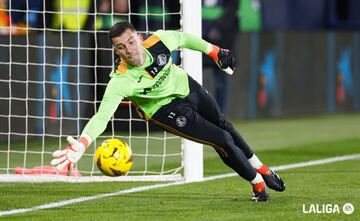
(255, 162)
(257, 179)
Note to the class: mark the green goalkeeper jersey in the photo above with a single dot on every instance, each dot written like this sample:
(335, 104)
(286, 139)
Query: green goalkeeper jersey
(150, 86)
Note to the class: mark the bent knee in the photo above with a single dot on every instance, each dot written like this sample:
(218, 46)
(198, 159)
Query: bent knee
(224, 124)
(225, 140)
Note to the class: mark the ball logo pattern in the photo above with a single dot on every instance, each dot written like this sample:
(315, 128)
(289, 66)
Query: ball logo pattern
(114, 157)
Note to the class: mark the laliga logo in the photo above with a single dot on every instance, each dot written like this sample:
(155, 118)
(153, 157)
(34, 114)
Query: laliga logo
(347, 208)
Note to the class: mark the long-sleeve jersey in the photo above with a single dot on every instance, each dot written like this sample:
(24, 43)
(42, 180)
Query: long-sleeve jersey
(150, 86)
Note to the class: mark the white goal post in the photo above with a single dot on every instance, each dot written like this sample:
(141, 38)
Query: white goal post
(51, 81)
(193, 152)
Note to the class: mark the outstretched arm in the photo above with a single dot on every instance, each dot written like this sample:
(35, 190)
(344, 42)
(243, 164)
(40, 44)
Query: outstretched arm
(99, 121)
(65, 158)
(174, 40)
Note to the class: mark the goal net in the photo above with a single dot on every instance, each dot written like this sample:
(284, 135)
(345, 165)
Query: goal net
(54, 65)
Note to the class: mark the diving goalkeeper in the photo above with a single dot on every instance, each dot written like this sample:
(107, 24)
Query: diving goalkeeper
(169, 98)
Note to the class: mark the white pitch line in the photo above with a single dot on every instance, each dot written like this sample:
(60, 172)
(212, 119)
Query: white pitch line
(155, 186)
(295, 165)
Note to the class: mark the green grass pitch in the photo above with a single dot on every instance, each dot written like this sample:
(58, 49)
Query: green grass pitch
(276, 142)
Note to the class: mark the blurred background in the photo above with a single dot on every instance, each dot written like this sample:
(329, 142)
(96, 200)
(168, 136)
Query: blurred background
(294, 57)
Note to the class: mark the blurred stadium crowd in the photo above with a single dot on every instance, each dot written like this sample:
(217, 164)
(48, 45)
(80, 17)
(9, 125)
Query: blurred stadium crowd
(100, 14)
(282, 47)
(23, 15)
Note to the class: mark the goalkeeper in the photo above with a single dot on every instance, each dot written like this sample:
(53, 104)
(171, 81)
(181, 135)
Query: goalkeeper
(166, 96)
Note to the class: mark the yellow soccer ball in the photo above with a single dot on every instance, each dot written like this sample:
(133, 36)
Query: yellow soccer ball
(114, 157)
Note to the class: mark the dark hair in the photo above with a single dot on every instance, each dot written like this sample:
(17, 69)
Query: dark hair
(120, 27)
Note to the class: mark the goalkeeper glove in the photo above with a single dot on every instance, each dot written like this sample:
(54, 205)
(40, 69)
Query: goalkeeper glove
(68, 156)
(224, 58)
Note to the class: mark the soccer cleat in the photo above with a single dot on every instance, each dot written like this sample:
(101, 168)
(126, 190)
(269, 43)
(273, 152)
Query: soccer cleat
(259, 193)
(272, 180)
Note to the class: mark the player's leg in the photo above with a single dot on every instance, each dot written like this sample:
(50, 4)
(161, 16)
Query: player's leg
(207, 107)
(181, 119)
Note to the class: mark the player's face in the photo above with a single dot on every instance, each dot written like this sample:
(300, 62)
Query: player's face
(129, 47)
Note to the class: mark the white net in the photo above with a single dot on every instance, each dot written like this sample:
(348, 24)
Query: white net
(54, 65)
